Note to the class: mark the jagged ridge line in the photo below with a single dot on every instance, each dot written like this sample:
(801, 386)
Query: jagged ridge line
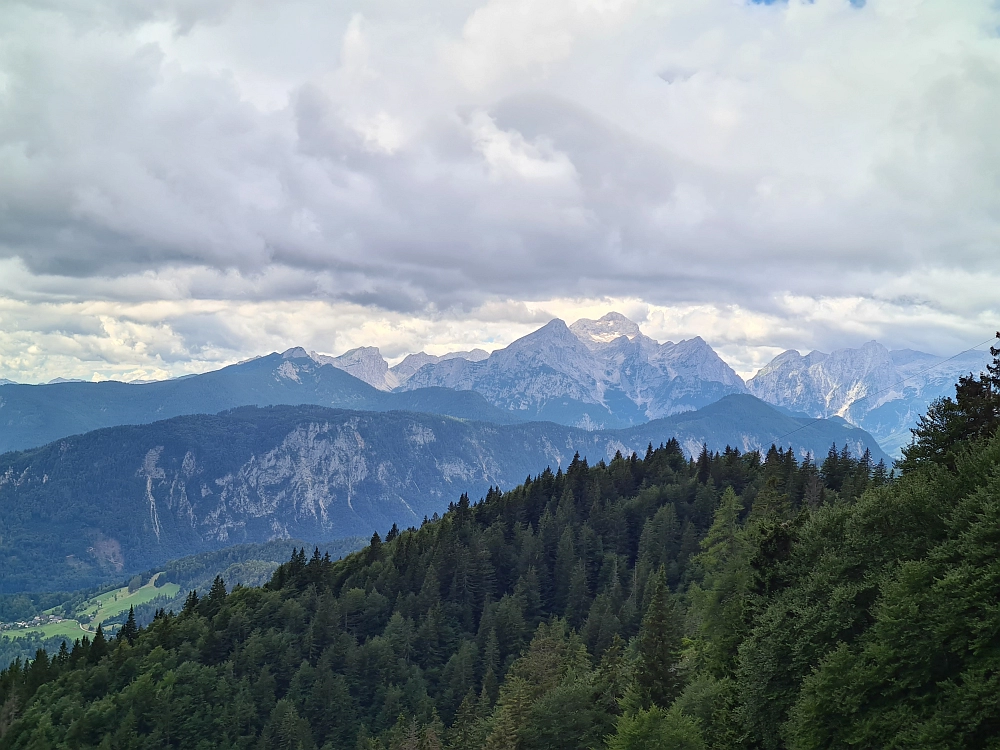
(885, 390)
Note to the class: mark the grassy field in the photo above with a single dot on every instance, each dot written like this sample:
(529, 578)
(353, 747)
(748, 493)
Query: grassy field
(68, 629)
(115, 602)
(100, 608)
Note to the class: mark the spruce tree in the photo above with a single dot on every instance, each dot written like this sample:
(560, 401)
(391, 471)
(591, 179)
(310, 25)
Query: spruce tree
(464, 729)
(973, 413)
(98, 646)
(62, 658)
(374, 551)
(129, 631)
(191, 603)
(215, 599)
(658, 673)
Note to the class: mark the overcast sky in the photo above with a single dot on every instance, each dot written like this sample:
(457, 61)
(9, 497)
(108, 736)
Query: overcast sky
(186, 183)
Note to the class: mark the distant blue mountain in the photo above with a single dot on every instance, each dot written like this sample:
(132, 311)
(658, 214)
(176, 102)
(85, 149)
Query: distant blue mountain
(596, 374)
(33, 415)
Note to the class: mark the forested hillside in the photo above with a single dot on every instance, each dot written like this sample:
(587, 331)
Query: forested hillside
(246, 564)
(735, 601)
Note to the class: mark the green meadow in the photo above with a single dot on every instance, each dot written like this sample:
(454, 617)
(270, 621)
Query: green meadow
(98, 609)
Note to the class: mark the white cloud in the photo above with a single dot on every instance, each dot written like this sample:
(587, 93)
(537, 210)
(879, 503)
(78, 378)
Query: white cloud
(509, 156)
(521, 37)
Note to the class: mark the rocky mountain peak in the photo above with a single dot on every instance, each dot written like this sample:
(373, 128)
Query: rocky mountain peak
(365, 363)
(847, 382)
(553, 343)
(595, 372)
(413, 362)
(606, 329)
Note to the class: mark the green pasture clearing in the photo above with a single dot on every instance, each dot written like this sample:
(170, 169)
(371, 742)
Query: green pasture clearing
(115, 602)
(68, 629)
(100, 608)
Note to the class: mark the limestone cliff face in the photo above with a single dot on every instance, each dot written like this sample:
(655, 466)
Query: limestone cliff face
(320, 480)
(825, 385)
(878, 390)
(594, 374)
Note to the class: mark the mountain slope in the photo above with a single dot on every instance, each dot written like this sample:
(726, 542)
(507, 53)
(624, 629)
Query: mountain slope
(124, 499)
(32, 415)
(747, 423)
(824, 385)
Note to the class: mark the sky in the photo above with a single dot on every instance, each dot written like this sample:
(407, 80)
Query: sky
(189, 183)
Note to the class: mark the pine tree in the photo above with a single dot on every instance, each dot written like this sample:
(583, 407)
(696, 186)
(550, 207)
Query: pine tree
(98, 646)
(577, 598)
(658, 673)
(720, 598)
(191, 603)
(215, 599)
(375, 548)
(129, 631)
(973, 413)
(465, 728)
(62, 658)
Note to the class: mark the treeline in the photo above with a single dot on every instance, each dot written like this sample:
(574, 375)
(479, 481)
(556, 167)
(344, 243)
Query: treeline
(241, 564)
(198, 571)
(732, 601)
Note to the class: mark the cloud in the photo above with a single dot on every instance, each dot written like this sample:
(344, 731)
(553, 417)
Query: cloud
(797, 174)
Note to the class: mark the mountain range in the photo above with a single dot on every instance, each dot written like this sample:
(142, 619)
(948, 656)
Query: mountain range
(33, 415)
(123, 499)
(884, 392)
(366, 363)
(600, 374)
(593, 374)
(620, 377)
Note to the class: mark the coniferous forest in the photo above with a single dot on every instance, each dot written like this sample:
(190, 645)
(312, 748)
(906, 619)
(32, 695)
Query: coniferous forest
(732, 601)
